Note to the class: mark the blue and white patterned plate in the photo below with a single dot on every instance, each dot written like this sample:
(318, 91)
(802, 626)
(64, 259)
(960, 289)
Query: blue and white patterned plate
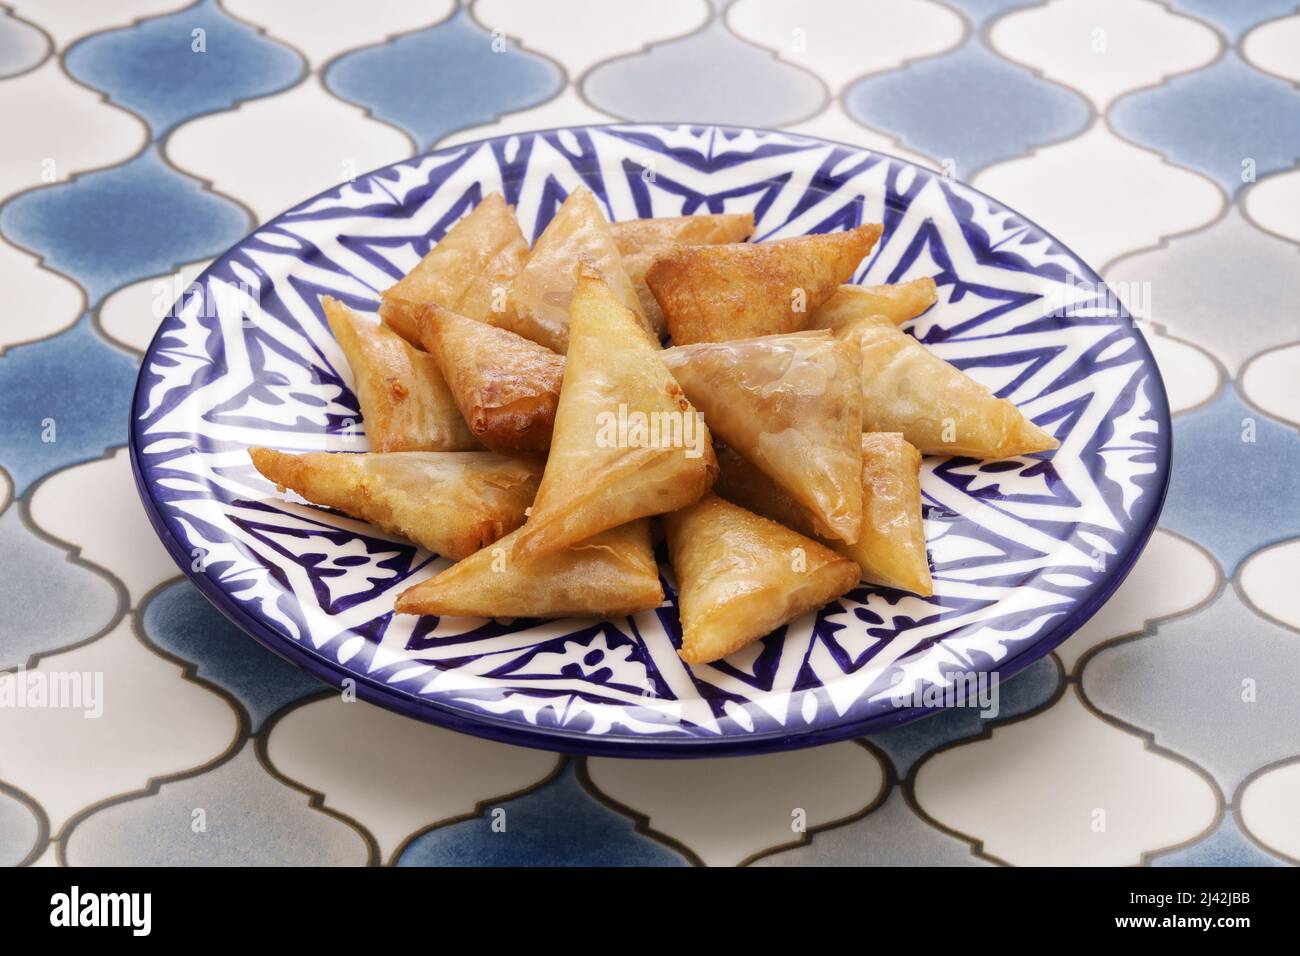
(1023, 551)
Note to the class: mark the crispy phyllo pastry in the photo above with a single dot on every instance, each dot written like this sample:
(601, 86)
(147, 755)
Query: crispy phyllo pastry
(404, 401)
(626, 443)
(538, 305)
(741, 576)
(942, 411)
(469, 271)
(791, 404)
(740, 290)
(890, 549)
(611, 574)
(506, 386)
(897, 303)
(642, 241)
(452, 503)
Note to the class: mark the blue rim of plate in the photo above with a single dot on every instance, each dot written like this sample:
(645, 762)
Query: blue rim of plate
(563, 740)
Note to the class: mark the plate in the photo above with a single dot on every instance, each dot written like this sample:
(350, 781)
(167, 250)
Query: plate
(1023, 551)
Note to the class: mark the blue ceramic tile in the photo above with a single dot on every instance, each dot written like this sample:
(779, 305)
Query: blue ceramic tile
(1255, 118)
(981, 12)
(73, 388)
(1224, 846)
(180, 621)
(33, 574)
(907, 744)
(711, 76)
(115, 226)
(155, 69)
(890, 835)
(234, 815)
(1227, 493)
(558, 824)
(446, 77)
(1216, 686)
(1236, 17)
(19, 829)
(22, 46)
(921, 105)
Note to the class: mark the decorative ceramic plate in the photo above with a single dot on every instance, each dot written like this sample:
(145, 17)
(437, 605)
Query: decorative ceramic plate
(1023, 551)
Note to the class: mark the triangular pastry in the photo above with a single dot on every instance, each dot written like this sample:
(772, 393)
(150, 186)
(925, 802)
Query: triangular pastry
(897, 303)
(469, 271)
(792, 405)
(611, 574)
(740, 290)
(452, 503)
(506, 386)
(626, 442)
(741, 576)
(405, 404)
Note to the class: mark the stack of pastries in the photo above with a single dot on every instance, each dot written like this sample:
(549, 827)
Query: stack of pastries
(526, 421)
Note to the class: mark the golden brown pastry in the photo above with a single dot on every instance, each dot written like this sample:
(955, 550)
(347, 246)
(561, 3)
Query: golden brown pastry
(907, 388)
(642, 241)
(890, 549)
(469, 271)
(740, 290)
(405, 404)
(741, 576)
(538, 304)
(603, 470)
(611, 574)
(791, 404)
(506, 386)
(897, 303)
(452, 503)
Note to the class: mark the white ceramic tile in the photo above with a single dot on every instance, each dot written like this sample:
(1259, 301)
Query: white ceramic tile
(1191, 377)
(1274, 204)
(1065, 788)
(1101, 196)
(1272, 47)
(274, 152)
(37, 302)
(581, 33)
(67, 129)
(566, 109)
(728, 809)
(1268, 809)
(392, 774)
(69, 20)
(1269, 580)
(153, 723)
(1105, 48)
(841, 40)
(1272, 381)
(1170, 576)
(72, 506)
(322, 29)
(132, 314)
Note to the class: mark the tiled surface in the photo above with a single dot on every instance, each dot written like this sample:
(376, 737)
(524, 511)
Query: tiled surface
(1157, 139)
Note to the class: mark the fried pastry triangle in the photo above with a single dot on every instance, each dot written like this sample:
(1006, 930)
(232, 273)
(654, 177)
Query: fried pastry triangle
(740, 290)
(626, 443)
(897, 303)
(741, 576)
(469, 271)
(452, 503)
(538, 304)
(792, 405)
(907, 388)
(506, 386)
(642, 241)
(405, 404)
(890, 549)
(611, 574)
